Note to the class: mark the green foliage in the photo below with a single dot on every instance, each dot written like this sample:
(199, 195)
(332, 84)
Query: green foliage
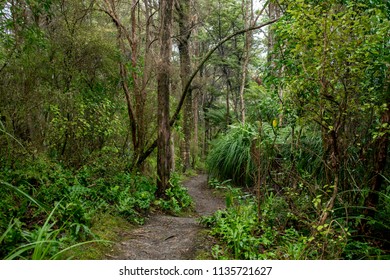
(274, 229)
(238, 154)
(355, 250)
(328, 68)
(230, 156)
(85, 125)
(317, 121)
(261, 105)
(57, 91)
(78, 197)
(285, 227)
(132, 203)
(239, 229)
(235, 227)
(44, 242)
(216, 117)
(176, 198)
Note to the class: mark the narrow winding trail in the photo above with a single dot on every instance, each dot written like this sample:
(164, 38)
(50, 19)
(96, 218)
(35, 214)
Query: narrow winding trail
(166, 237)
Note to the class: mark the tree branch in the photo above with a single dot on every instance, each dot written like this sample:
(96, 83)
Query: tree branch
(174, 118)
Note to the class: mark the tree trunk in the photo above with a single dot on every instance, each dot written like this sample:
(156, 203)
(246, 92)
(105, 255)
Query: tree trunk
(163, 91)
(135, 112)
(380, 161)
(195, 136)
(183, 10)
(247, 7)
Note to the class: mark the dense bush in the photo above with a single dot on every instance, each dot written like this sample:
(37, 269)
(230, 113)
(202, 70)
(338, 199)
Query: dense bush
(230, 156)
(46, 205)
(176, 198)
(290, 171)
(273, 230)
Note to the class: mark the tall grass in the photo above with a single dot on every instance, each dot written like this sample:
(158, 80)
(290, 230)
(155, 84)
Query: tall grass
(9, 228)
(20, 192)
(230, 156)
(45, 243)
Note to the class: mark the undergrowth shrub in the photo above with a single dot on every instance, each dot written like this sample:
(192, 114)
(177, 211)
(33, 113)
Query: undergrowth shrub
(176, 198)
(287, 169)
(273, 230)
(32, 189)
(230, 156)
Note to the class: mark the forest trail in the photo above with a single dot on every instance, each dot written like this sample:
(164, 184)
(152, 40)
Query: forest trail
(165, 237)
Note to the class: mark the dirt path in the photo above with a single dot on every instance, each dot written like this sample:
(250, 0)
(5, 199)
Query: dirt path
(171, 238)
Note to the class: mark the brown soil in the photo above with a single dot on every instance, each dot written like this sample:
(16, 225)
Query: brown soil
(166, 237)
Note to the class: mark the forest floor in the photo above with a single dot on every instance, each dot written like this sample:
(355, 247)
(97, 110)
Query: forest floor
(165, 237)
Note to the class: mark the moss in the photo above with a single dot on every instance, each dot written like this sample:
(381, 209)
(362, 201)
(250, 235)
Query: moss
(204, 244)
(106, 227)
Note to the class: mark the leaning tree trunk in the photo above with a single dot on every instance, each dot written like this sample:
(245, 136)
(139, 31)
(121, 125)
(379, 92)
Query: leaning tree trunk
(164, 156)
